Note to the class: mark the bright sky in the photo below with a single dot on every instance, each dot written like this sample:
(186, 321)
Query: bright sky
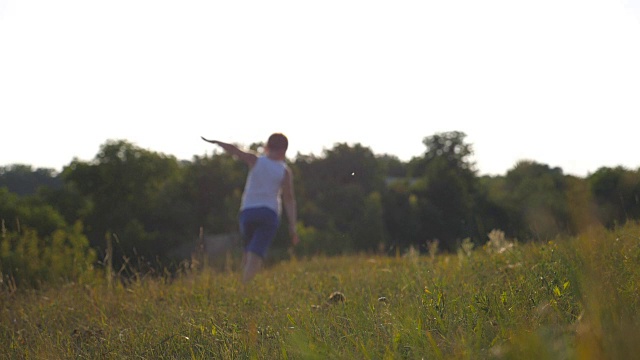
(554, 81)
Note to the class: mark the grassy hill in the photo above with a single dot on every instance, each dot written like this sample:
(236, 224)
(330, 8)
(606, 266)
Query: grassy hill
(574, 298)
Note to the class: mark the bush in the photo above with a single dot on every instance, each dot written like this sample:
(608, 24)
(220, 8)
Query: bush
(29, 260)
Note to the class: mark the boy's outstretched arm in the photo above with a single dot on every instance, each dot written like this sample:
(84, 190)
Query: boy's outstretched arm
(247, 157)
(290, 207)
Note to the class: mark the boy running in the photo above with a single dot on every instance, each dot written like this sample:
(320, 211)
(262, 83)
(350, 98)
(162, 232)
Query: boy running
(269, 186)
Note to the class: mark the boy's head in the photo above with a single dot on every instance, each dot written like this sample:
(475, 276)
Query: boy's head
(278, 142)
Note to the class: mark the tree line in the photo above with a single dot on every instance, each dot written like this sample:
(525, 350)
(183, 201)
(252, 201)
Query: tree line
(349, 200)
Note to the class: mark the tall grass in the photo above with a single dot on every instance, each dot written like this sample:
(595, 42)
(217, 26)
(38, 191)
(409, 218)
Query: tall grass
(574, 298)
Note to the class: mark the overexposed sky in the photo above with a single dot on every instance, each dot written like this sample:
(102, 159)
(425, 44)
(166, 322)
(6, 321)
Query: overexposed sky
(555, 81)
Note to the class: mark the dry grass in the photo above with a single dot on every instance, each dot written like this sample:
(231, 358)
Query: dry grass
(570, 299)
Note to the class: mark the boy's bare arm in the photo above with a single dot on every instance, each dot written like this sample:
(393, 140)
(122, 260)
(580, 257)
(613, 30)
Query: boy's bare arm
(247, 157)
(290, 207)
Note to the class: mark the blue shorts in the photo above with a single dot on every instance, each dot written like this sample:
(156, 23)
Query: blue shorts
(258, 227)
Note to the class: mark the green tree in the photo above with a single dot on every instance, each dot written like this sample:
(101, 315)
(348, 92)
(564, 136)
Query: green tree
(126, 185)
(28, 211)
(335, 194)
(24, 180)
(446, 189)
(210, 193)
(616, 192)
(489, 213)
(392, 167)
(369, 234)
(400, 213)
(67, 201)
(450, 150)
(583, 211)
(535, 199)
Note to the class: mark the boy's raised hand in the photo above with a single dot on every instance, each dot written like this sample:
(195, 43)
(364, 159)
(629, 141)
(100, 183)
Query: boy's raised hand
(210, 141)
(247, 157)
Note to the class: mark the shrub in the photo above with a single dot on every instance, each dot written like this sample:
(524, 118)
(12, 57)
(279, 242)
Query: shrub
(29, 260)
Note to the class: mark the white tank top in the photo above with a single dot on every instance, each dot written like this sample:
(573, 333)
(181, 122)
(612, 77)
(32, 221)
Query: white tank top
(264, 184)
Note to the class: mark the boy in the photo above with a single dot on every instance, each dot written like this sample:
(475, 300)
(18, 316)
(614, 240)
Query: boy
(269, 179)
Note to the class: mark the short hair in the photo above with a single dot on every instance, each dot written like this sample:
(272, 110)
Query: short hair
(278, 141)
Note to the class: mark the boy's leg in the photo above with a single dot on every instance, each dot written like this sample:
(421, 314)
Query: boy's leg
(252, 265)
(259, 228)
(244, 260)
(247, 228)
